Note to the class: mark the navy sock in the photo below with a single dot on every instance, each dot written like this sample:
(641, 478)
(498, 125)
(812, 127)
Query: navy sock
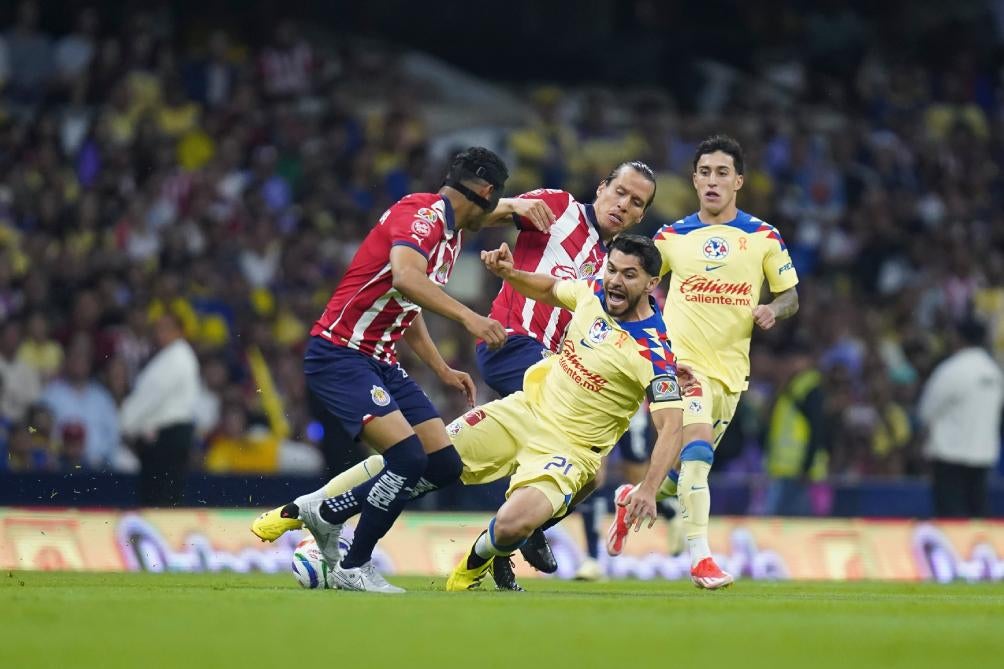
(443, 468)
(589, 515)
(381, 499)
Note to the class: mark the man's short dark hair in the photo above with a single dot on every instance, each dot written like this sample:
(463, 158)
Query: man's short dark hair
(725, 144)
(642, 248)
(972, 331)
(639, 167)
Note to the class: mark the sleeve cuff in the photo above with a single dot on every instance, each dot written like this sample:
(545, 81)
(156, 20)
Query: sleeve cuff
(418, 248)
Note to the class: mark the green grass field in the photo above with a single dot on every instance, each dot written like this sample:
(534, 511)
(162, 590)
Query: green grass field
(226, 620)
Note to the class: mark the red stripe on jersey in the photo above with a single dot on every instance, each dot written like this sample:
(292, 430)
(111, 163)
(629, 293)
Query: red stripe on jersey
(508, 306)
(665, 232)
(364, 312)
(379, 330)
(571, 250)
(573, 243)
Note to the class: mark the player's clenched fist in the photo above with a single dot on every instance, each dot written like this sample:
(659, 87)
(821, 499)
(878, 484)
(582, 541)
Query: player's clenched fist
(536, 212)
(488, 330)
(499, 262)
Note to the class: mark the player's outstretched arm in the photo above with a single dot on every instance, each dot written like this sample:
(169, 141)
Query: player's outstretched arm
(417, 337)
(535, 211)
(641, 504)
(784, 305)
(408, 268)
(539, 287)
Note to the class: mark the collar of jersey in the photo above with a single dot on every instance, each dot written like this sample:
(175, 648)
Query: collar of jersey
(634, 328)
(591, 217)
(448, 211)
(693, 222)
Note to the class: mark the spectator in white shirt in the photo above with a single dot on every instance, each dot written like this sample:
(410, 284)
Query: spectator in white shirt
(961, 408)
(159, 414)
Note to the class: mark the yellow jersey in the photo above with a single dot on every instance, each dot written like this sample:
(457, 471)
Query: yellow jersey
(718, 271)
(603, 371)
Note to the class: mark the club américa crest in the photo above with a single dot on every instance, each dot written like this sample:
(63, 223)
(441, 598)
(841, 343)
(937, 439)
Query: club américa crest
(599, 331)
(716, 248)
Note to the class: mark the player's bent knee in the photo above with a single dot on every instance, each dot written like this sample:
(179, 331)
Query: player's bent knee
(700, 451)
(444, 467)
(407, 458)
(526, 509)
(698, 432)
(510, 528)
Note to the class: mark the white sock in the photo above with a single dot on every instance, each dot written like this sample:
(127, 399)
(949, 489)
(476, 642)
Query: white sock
(698, 549)
(483, 547)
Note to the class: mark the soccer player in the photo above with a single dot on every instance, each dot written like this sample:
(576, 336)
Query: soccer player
(563, 238)
(568, 240)
(551, 437)
(719, 258)
(351, 364)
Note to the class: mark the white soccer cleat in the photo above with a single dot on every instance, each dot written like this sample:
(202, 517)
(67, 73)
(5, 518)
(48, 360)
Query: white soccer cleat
(706, 574)
(325, 533)
(364, 578)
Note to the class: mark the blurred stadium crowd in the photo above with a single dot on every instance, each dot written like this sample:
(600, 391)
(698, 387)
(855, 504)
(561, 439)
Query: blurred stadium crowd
(153, 169)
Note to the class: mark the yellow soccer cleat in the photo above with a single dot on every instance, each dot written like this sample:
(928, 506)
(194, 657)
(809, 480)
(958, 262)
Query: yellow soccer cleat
(462, 578)
(271, 525)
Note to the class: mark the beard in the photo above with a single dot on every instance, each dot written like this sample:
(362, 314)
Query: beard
(630, 304)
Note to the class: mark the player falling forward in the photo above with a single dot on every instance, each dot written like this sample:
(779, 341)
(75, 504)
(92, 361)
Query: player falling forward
(568, 240)
(351, 365)
(719, 258)
(551, 437)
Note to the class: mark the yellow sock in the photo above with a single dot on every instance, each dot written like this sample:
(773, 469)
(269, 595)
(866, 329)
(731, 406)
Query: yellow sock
(670, 486)
(345, 481)
(353, 476)
(695, 505)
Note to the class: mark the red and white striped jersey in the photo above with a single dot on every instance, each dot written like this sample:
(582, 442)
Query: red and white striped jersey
(366, 312)
(571, 250)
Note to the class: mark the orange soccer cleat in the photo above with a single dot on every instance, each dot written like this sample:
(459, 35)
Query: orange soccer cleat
(706, 574)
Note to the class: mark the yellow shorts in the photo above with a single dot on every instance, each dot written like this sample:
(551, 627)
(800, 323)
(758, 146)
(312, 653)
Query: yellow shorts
(504, 438)
(710, 402)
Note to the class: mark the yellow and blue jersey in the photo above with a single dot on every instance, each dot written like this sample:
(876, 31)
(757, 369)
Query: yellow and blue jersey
(718, 271)
(603, 370)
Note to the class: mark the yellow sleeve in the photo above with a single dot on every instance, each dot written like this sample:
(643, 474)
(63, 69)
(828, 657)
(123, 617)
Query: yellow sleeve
(777, 266)
(569, 292)
(663, 246)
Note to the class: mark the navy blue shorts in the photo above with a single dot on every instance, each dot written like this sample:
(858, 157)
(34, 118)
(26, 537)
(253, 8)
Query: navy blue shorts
(355, 388)
(503, 369)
